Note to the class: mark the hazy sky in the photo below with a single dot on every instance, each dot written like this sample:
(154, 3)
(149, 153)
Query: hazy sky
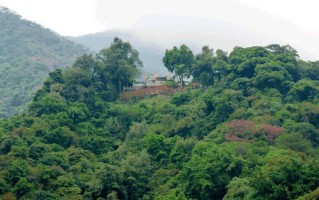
(291, 21)
(76, 17)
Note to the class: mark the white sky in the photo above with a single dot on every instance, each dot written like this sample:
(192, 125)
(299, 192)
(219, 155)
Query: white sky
(79, 17)
(66, 17)
(76, 17)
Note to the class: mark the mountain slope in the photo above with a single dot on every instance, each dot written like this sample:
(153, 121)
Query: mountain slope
(253, 133)
(27, 53)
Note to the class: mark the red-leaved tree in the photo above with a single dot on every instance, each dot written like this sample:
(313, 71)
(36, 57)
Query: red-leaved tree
(246, 130)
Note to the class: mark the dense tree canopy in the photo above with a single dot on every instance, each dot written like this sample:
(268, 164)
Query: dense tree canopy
(203, 70)
(251, 133)
(179, 61)
(120, 62)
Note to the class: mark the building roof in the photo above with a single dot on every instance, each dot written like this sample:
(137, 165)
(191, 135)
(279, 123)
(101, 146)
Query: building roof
(161, 78)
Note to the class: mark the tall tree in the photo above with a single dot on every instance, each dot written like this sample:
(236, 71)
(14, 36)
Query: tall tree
(120, 62)
(203, 69)
(179, 61)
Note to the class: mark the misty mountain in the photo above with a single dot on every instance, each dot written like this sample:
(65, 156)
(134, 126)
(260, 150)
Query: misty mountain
(27, 53)
(259, 29)
(149, 53)
(196, 32)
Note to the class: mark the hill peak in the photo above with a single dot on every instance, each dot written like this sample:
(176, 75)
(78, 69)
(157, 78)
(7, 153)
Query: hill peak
(28, 51)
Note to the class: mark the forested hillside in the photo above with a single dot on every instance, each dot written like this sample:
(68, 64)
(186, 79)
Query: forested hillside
(27, 53)
(251, 131)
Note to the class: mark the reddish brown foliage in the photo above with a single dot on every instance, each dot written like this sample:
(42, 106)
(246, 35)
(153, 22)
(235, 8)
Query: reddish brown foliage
(240, 130)
(270, 132)
(241, 126)
(245, 130)
(195, 85)
(149, 91)
(232, 137)
(250, 98)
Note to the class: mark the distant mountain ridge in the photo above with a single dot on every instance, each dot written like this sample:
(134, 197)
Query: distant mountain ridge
(150, 54)
(27, 53)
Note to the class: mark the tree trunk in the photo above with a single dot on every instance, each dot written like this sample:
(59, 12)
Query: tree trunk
(181, 80)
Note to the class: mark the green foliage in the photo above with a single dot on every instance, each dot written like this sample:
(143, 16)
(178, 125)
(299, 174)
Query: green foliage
(208, 172)
(203, 70)
(159, 147)
(53, 103)
(270, 75)
(312, 195)
(250, 133)
(239, 188)
(55, 159)
(120, 62)
(16, 169)
(285, 174)
(28, 53)
(22, 187)
(179, 61)
(181, 99)
(304, 90)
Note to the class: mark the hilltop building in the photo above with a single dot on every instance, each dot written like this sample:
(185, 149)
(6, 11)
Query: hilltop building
(153, 80)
